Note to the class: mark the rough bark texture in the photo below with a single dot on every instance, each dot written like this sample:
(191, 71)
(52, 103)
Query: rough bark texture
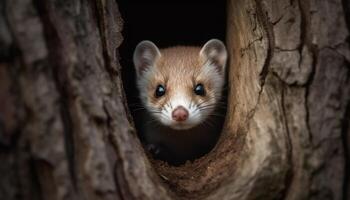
(66, 132)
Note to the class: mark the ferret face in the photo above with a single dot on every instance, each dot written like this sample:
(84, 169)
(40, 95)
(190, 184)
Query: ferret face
(180, 86)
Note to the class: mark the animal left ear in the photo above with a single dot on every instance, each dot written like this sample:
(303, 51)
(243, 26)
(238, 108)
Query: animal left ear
(214, 52)
(145, 55)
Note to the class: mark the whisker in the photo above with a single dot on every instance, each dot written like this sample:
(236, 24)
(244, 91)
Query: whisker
(168, 105)
(154, 112)
(214, 104)
(151, 121)
(208, 122)
(196, 114)
(138, 109)
(207, 107)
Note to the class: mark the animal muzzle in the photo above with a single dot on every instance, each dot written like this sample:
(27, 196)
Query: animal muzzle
(180, 114)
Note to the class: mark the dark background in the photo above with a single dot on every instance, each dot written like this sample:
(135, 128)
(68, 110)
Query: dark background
(166, 24)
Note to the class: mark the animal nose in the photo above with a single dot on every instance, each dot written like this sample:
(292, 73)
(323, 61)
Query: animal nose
(180, 114)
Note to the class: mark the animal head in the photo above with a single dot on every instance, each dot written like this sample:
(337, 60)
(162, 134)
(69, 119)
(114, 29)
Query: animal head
(180, 86)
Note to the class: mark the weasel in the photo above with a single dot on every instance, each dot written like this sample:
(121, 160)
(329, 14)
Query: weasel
(180, 88)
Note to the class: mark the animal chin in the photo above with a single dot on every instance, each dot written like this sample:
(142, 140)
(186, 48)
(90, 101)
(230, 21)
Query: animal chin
(182, 126)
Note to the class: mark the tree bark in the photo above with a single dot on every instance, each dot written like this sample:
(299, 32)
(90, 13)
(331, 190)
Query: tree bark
(66, 131)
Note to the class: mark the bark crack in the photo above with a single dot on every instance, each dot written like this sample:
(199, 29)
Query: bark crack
(290, 174)
(52, 38)
(267, 27)
(345, 133)
(118, 176)
(336, 50)
(101, 21)
(304, 40)
(250, 44)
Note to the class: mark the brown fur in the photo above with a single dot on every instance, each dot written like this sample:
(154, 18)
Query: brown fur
(179, 70)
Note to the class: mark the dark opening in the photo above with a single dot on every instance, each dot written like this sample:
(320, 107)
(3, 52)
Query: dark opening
(166, 24)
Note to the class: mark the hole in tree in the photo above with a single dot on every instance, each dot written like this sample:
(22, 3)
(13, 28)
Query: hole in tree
(167, 24)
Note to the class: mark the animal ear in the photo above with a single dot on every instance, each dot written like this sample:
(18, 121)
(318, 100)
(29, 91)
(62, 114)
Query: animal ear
(145, 55)
(214, 52)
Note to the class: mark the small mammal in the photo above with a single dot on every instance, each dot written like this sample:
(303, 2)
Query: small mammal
(180, 88)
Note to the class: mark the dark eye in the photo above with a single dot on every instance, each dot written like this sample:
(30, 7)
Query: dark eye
(160, 91)
(199, 90)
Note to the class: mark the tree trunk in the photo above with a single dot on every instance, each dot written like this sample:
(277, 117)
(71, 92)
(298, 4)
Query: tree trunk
(66, 131)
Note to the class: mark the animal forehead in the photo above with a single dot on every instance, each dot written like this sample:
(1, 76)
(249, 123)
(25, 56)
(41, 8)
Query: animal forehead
(180, 59)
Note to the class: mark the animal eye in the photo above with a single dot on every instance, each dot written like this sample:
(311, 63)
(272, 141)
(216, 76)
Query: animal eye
(199, 89)
(160, 91)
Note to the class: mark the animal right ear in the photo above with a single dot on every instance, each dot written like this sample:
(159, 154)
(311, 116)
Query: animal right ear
(145, 55)
(215, 52)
